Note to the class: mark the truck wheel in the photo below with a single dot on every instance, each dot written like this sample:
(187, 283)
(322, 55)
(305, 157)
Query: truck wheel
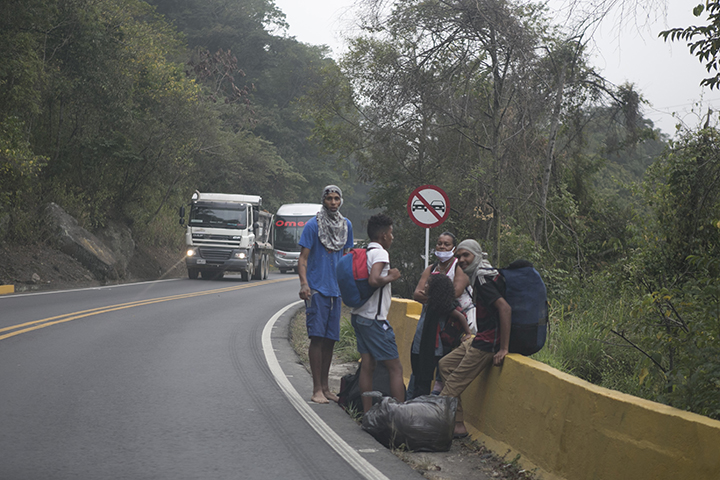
(244, 276)
(257, 268)
(193, 273)
(251, 268)
(263, 267)
(266, 271)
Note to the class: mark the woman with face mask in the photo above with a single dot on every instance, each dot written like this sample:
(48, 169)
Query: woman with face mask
(425, 353)
(447, 264)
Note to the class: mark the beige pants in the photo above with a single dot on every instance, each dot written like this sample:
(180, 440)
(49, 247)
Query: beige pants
(459, 368)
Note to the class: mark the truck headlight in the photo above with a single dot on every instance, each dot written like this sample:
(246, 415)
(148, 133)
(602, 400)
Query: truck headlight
(240, 255)
(190, 253)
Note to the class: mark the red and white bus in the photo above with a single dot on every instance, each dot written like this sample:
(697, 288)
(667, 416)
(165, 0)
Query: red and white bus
(289, 222)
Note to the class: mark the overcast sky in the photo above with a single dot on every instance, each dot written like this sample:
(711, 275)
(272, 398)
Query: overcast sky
(665, 73)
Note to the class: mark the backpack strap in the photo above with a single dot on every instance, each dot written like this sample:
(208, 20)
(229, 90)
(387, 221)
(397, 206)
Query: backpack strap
(380, 297)
(380, 290)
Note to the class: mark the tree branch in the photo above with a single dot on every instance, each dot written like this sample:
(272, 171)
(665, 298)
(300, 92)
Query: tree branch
(638, 349)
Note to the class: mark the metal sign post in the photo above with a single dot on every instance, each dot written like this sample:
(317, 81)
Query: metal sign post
(427, 246)
(428, 206)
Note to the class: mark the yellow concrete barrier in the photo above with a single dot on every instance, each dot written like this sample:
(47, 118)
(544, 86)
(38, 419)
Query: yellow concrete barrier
(403, 316)
(571, 429)
(4, 289)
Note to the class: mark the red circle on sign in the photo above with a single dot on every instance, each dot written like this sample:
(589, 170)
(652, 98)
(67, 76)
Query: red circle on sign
(428, 206)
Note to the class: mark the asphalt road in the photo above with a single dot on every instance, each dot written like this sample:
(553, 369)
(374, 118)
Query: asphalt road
(177, 379)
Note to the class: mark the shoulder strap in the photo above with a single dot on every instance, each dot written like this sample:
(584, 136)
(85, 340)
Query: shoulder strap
(380, 290)
(380, 297)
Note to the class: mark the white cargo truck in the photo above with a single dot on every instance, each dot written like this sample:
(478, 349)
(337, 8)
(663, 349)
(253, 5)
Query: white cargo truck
(290, 220)
(227, 233)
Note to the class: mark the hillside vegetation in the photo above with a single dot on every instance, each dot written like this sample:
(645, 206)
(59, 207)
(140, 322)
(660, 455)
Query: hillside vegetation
(118, 110)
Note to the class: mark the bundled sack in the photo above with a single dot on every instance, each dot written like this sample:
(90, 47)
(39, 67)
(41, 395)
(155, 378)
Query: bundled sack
(423, 424)
(349, 395)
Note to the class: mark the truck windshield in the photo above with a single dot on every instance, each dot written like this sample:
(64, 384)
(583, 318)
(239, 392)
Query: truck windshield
(219, 216)
(288, 230)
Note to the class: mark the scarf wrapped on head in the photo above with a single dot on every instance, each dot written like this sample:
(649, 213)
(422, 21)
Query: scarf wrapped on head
(332, 227)
(480, 266)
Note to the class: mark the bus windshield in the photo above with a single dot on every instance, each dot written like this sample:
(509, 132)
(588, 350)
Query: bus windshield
(288, 230)
(221, 215)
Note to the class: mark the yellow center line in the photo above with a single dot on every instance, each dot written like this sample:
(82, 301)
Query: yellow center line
(46, 322)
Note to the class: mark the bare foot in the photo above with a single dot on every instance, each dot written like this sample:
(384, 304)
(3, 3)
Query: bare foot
(319, 398)
(331, 396)
(460, 430)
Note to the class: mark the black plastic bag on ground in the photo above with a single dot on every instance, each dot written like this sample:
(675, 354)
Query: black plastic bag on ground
(349, 396)
(423, 424)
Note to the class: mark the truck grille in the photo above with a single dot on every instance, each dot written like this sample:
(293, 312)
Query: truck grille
(215, 254)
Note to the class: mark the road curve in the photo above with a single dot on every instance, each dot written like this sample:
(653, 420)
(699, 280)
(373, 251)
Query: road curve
(168, 380)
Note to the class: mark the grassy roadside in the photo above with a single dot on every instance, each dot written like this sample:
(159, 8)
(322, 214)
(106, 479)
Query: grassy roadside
(345, 349)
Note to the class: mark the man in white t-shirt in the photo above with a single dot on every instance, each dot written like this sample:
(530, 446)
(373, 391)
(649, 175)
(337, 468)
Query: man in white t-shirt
(375, 336)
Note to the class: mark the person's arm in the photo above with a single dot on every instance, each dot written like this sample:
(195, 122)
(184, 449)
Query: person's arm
(376, 280)
(463, 322)
(350, 241)
(461, 281)
(420, 293)
(302, 273)
(505, 314)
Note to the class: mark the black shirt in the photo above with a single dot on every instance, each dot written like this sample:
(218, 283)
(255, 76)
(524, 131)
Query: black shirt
(488, 319)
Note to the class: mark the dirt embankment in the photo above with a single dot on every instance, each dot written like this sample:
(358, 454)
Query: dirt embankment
(36, 268)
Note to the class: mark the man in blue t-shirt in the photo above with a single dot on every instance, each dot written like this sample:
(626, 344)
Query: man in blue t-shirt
(323, 242)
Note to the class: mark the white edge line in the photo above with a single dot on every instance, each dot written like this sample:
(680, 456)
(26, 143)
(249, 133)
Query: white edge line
(362, 466)
(99, 287)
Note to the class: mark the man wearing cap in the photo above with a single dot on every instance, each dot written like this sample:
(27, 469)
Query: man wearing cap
(323, 242)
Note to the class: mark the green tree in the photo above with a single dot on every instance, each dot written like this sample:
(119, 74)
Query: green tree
(21, 73)
(703, 40)
(274, 73)
(117, 108)
(676, 322)
(487, 101)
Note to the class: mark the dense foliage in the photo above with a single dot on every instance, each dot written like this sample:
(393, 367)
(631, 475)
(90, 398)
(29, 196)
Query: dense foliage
(490, 102)
(110, 111)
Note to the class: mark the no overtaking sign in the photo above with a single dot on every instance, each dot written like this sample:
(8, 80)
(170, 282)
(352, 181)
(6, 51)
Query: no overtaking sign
(428, 206)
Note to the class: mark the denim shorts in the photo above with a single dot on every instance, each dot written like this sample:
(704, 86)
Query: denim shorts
(375, 337)
(322, 316)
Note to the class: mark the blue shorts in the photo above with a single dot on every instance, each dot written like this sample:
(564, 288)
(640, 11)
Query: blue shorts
(322, 316)
(375, 337)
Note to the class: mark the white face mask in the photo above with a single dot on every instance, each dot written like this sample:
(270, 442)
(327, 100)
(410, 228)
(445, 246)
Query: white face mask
(444, 256)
